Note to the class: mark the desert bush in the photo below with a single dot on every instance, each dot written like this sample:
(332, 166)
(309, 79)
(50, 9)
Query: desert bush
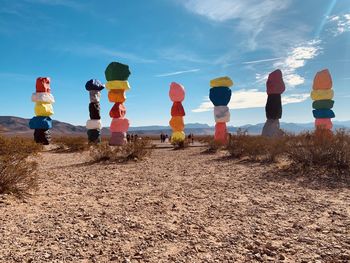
(71, 144)
(17, 174)
(136, 150)
(256, 148)
(320, 150)
(21, 147)
(178, 145)
(212, 146)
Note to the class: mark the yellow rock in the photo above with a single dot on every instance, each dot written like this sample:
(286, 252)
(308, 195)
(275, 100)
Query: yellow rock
(326, 94)
(221, 82)
(43, 109)
(117, 84)
(178, 136)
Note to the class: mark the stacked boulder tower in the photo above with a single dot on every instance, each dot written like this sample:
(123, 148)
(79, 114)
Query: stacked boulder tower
(177, 124)
(220, 95)
(94, 125)
(42, 123)
(117, 75)
(274, 87)
(322, 95)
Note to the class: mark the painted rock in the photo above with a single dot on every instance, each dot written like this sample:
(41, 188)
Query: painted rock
(95, 96)
(42, 136)
(94, 111)
(176, 92)
(220, 96)
(93, 125)
(43, 109)
(178, 136)
(177, 123)
(221, 114)
(177, 110)
(117, 139)
(119, 125)
(43, 97)
(118, 85)
(326, 94)
(221, 82)
(94, 84)
(117, 71)
(272, 128)
(275, 83)
(322, 80)
(323, 114)
(273, 106)
(118, 111)
(40, 123)
(116, 96)
(43, 85)
(323, 104)
(324, 123)
(221, 134)
(94, 136)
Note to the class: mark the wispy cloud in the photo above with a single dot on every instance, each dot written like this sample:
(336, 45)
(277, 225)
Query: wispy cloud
(252, 98)
(261, 61)
(177, 73)
(92, 50)
(340, 24)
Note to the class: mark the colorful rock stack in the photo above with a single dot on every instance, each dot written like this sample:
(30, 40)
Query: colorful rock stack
(42, 123)
(94, 125)
(177, 124)
(117, 75)
(322, 95)
(274, 87)
(220, 95)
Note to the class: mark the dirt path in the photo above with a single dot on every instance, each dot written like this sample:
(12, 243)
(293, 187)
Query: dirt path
(176, 206)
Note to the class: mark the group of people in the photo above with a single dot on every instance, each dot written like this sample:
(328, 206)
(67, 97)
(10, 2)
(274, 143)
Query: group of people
(164, 137)
(131, 137)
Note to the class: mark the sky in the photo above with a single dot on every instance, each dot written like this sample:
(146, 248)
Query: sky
(186, 41)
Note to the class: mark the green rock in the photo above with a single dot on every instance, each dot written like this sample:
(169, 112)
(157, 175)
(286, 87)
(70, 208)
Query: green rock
(323, 104)
(117, 71)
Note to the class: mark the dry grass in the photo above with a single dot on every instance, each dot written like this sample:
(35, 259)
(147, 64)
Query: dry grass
(17, 174)
(212, 146)
(136, 150)
(71, 144)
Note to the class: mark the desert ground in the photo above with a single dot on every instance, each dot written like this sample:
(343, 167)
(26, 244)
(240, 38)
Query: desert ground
(174, 206)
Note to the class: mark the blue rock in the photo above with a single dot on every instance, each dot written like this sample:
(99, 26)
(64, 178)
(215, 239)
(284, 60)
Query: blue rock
(220, 96)
(44, 123)
(323, 114)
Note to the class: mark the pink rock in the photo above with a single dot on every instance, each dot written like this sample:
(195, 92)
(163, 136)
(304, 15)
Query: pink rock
(275, 83)
(324, 124)
(119, 125)
(221, 134)
(176, 92)
(117, 139)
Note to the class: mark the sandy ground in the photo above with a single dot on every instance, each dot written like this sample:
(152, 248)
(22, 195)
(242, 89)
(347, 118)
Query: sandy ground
(176, 206)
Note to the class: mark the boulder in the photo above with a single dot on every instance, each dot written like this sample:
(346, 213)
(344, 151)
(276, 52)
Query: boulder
(220, 96)
(43, 84)
(272, 128)
(325, 123)
(95, 96)
(275, 83)
(176, 92)
(94, 110)
(117, 71)
(177, 123)
(118, 111)
(325, 94)
(116, 96)
(322, 80)
(323, 104)
(43, 109)
(178, 136)
(177, 110)
(93, 125)
(117, 85)
(323, 114)
(94, 136)
(221, 133)
(119, 125)
(117, 139)
(43, 97)
(221, 82)
(94, 84)
(42, 136)
(221, 114)
(40, 123)
(273, 108)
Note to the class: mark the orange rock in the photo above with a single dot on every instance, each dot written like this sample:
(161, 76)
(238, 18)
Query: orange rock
(177, 123)
(322, 80)
(116, 96)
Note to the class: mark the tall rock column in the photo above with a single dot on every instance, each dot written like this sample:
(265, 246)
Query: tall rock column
(220, 95)
(177, 124)
(42, 123)
(322, 95)
(274, 87)
(94, 125)
(117, 75)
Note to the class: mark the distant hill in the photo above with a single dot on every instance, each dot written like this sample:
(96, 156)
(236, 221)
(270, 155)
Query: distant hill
(10, 125)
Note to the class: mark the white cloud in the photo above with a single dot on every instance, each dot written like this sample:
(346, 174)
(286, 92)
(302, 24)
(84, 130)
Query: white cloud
(261, 60)
(252, 98)
(340, 23)
(177, 73)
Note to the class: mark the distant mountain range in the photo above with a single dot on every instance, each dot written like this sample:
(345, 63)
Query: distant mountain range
(10, 125)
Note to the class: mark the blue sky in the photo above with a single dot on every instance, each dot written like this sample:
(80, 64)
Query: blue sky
(187, 41)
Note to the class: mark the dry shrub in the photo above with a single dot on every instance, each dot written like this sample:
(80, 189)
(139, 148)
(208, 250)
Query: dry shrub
(17, 174)
(136, 150)
(212, 146)
(179, 145)
(256, 148)
(71, 144)
(320, 150)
